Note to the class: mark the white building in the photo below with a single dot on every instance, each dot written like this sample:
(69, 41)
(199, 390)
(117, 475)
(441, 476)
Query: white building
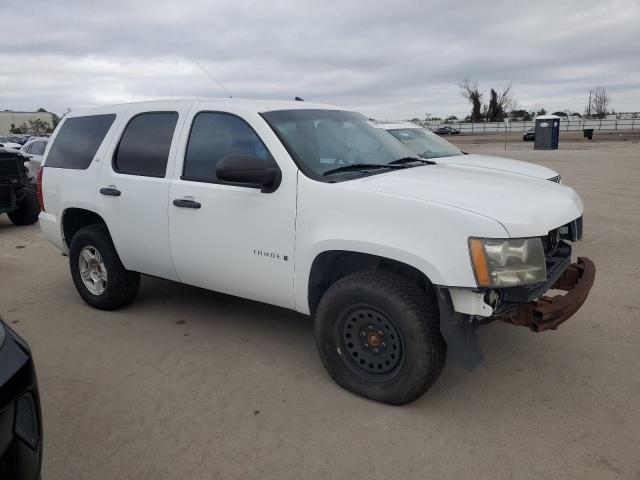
(9, 118)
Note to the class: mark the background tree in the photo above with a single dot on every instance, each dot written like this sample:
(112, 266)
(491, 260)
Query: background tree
(38, 127)
(501, 102)
(469, 90)
(600, 102)
(521, 115)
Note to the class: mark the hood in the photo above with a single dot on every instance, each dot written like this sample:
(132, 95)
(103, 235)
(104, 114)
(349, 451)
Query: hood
(524, 205)
(499, 163)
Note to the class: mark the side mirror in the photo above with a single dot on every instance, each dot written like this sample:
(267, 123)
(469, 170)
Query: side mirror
(250, 171)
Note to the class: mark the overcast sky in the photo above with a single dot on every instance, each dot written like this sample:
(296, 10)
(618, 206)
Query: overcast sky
(389, 60)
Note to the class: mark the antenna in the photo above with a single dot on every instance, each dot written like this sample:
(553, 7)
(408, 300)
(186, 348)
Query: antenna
(212, 78)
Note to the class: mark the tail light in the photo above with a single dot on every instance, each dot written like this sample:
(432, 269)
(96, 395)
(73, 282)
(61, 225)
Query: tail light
(39, 189)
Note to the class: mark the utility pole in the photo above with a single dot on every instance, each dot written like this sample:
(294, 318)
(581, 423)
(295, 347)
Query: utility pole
(589, 109)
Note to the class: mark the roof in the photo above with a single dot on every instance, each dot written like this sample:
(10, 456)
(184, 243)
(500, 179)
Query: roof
(547, 117)
(250, 104)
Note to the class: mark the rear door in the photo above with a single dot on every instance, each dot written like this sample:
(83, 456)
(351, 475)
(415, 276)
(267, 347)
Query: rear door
(133, 187)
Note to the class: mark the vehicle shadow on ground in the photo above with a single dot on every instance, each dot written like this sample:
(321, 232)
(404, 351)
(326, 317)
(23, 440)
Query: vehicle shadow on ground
(250, 323)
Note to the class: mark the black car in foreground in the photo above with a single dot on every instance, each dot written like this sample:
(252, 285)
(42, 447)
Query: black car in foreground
(447, 131)
(20, 416)
(529, 135)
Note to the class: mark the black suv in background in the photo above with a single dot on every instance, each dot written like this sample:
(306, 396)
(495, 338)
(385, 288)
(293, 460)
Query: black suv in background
(17, 193)
(529, 135)
(20, 416)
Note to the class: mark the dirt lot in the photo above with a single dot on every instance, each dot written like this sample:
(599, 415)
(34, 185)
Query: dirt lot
(190, 384)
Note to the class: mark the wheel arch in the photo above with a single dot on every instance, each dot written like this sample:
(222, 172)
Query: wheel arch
(329, 266)
(73, 219)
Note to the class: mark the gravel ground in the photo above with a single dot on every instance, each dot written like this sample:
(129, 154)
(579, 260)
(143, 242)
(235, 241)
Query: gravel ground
(192, 384)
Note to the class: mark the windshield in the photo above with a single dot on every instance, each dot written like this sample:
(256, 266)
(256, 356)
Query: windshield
(323, 140)
(424, 143)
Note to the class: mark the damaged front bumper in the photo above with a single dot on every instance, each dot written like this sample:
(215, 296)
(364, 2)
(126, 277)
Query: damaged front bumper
(529, 305)
(547, 313)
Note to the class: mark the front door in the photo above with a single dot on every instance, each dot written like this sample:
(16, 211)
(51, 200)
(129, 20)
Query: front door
(232, 238)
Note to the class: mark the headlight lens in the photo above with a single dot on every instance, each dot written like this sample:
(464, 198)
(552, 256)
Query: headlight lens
(507, 262)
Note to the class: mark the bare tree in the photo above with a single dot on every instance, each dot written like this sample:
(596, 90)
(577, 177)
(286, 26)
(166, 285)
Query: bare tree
(506, 102)
(600, 102)
(501, 102)
(469, 90)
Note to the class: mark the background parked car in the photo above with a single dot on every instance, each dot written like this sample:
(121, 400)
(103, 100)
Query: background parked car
(529, 135)
(7, 142)
(447, 131)
(33, 150)
(20, 415)
(18, 197)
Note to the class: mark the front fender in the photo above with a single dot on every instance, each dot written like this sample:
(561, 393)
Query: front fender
(429, 237)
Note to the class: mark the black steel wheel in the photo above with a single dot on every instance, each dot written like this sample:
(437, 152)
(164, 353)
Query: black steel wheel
(372, 342)
(378, 335)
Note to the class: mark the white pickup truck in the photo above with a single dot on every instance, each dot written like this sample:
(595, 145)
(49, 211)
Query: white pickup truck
(317, 209)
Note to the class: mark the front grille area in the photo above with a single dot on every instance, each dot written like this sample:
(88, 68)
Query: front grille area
(6, 196)
(8, 168)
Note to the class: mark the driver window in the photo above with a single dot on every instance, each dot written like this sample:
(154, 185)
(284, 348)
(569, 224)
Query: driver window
(215, 136)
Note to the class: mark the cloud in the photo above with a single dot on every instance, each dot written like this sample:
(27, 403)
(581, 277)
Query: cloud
(387, 59)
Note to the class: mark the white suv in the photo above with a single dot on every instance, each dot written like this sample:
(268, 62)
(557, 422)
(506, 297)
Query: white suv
(316, 209)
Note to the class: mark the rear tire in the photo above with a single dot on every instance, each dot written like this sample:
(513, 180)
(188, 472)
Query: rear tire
(28, 209)
(385, 312)
(99, 276)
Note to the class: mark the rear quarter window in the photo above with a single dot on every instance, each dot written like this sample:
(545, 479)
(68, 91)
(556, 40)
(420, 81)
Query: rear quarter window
(78, 141)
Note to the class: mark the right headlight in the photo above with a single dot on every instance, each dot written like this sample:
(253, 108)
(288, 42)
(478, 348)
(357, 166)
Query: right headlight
(507, 262)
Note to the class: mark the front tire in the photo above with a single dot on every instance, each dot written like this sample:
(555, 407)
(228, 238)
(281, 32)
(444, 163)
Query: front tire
(97, 272)
(378, 335)
(28, 209)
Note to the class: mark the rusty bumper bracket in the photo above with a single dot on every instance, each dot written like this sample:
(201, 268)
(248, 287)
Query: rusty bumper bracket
(547, 313)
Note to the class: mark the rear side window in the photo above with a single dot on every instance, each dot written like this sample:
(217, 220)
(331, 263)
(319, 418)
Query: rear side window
(145, 144)
(214, 136)
(78, 141)
(38, 148)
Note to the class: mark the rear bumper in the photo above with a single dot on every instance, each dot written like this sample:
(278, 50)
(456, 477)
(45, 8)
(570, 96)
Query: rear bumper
(20, 416)
(547, 313)
(50, 227)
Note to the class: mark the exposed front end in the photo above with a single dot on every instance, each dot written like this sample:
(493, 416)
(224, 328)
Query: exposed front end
(529, 282)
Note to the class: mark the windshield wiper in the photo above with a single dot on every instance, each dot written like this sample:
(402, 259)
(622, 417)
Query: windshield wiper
(361, 167)
(405, 160)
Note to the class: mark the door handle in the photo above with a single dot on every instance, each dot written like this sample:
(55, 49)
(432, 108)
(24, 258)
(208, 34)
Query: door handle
(186, 203)
(111, 191)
